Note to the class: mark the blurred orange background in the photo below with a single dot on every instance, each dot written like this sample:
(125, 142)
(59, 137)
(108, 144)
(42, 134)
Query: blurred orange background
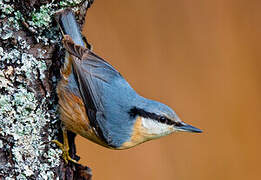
(202, 58)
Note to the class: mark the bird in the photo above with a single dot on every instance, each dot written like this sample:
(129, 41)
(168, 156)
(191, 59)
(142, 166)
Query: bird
(96, 102)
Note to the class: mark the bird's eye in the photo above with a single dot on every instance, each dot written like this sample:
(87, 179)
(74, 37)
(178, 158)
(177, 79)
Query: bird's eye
(163, 119)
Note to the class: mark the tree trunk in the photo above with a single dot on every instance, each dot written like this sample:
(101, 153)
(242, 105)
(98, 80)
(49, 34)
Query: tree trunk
(30, 60)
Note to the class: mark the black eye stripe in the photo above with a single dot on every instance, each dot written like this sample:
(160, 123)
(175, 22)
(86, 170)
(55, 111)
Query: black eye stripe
(162, 119)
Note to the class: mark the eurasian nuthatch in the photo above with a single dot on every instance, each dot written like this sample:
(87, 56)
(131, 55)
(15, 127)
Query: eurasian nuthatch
(100, 105)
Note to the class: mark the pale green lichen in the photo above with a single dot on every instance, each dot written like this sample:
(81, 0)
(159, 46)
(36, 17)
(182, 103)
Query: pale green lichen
(10, 57)
(22, 43)
(9, 178)
(5, 105)
(70, 2)
(42, 17)
(7, 35)
(40, 22)
(1, 51)
(18, 15)
(21, 177)
(22, 117)
(6, 8)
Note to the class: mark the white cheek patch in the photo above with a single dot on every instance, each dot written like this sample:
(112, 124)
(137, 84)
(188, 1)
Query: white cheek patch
(156, 128)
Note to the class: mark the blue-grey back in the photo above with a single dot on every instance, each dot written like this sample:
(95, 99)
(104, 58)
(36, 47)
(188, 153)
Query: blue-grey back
(117, 98)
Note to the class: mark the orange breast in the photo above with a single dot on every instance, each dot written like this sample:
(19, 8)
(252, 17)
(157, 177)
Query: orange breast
(138, 135)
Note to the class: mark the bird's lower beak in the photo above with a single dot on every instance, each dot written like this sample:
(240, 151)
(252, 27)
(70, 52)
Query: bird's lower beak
(187, 128)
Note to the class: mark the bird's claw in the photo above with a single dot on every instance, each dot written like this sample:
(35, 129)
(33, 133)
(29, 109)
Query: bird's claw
(65, 150)
(65, 147)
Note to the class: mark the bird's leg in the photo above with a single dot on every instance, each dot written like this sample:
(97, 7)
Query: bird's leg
(65, 147)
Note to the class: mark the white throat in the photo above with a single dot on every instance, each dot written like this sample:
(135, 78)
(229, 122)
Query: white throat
(155, 128)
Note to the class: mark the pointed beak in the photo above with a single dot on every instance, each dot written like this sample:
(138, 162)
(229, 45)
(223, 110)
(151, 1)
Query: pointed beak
(188, 128)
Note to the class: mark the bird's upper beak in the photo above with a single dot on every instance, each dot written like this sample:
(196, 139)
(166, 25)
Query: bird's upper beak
(187, 128)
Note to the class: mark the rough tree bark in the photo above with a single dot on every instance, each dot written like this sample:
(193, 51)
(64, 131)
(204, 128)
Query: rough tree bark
(30, 59)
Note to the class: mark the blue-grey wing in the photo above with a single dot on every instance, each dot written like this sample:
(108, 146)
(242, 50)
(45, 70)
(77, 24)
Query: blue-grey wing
(98, 83)
(94, 75)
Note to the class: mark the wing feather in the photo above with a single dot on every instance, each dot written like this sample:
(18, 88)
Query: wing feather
(92, 73)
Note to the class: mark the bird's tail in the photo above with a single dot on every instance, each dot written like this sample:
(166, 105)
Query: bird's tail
(68, 25)
(69, 28)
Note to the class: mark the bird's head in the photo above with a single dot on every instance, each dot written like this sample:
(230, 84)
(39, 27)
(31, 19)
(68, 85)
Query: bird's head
(154, 119)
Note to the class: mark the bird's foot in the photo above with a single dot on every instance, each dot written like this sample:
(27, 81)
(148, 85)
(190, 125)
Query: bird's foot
(65, 147)
(65, 151)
